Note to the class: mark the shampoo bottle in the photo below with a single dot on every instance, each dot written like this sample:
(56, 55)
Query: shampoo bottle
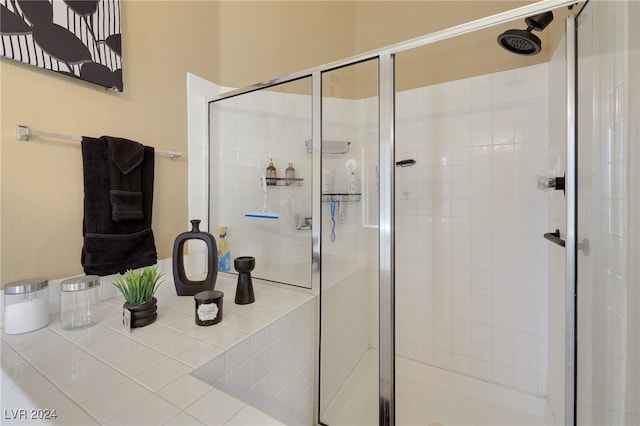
(326, 181)
(290, 174)
(224, 256)
(352, 184)
(271, 173)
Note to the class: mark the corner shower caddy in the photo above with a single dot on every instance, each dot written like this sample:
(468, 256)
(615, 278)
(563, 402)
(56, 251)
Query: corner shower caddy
(341, 196)
(283, 181)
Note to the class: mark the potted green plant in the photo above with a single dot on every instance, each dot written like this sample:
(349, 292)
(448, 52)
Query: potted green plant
(138, 287)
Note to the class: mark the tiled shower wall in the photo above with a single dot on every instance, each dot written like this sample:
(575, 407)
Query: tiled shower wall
(246, 130)
(471, 263)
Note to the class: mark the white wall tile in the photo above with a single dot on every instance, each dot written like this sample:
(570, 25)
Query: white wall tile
(480, 255)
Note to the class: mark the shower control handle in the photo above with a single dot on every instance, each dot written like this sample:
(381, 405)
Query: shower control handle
(549, 183)
(554, 237)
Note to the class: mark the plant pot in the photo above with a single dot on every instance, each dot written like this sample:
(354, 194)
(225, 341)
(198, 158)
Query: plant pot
(143, 314)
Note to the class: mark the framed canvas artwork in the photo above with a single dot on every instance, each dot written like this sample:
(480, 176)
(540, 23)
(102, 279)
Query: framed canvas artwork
(79, 38)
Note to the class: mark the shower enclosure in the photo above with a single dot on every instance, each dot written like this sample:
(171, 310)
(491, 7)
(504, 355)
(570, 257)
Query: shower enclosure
(446, 277)
(467, 279)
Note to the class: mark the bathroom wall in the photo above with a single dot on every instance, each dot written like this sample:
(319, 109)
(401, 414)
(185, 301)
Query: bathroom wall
(264, 40)
(471, 263)
(42, 189)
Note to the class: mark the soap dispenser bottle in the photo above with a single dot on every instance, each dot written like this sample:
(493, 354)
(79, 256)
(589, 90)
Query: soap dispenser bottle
(352, 184)
(271, 173)
(185, 286)
(290, 174)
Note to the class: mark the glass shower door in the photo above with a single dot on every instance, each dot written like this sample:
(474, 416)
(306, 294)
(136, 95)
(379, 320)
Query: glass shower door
(349, 246)
(608, 234)
(473, 332)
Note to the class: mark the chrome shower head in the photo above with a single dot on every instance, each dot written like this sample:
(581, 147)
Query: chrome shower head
(523, 42)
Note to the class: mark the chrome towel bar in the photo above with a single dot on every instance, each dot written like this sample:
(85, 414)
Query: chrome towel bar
(23, 133)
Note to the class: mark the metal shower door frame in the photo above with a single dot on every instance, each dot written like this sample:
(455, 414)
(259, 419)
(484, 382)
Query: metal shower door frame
(572, 226)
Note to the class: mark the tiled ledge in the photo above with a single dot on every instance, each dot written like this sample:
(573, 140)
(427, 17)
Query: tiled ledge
(106, 375)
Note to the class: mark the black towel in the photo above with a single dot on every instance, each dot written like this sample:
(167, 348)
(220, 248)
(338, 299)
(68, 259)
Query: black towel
(125, 180)
(114, 246)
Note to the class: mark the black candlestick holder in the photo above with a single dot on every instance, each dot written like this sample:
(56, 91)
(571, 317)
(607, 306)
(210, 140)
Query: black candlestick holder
(244, 290)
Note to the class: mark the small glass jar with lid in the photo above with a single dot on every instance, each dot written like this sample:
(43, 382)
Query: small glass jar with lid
(80, 302)
(26, 305)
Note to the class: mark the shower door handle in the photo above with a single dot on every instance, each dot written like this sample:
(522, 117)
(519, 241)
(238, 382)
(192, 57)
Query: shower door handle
(554, 237)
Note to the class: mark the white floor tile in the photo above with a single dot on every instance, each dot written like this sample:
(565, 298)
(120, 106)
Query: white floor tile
(181, 323)
(11, 359)
(175, 344)
(157, 336)
(184, 391)
(225, 337)
(162, 374)
(248, 324)
(427, 395)
(139, 362)
(95, 339)
(215, 408)
(151, 411)
(198, 354)
(54, 400)
(74, 417)
(120, 351)
(93, 384)
(31, 383)
(182, 419)
(114, 401)
(249, 416)
(60, 352)
(75, 370)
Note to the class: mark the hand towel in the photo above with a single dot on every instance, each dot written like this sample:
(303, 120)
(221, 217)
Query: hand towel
(125, 178)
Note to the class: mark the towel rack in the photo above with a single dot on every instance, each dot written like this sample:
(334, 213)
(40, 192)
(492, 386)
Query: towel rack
(23, 133)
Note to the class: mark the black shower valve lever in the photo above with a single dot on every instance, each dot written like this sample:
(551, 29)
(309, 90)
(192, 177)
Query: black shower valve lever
(406, 163)
(554, 237)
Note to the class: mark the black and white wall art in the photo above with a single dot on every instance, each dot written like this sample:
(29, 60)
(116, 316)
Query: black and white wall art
(80, 38)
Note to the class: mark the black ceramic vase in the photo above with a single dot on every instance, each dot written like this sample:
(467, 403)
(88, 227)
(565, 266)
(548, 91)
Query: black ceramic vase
(143, 314)
(185, 286)
(244, 290)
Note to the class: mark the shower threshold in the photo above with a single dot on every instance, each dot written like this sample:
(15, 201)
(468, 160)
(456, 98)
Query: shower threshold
(428, 395)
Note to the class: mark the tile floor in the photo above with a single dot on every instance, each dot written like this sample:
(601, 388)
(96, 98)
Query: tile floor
(426, 395)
